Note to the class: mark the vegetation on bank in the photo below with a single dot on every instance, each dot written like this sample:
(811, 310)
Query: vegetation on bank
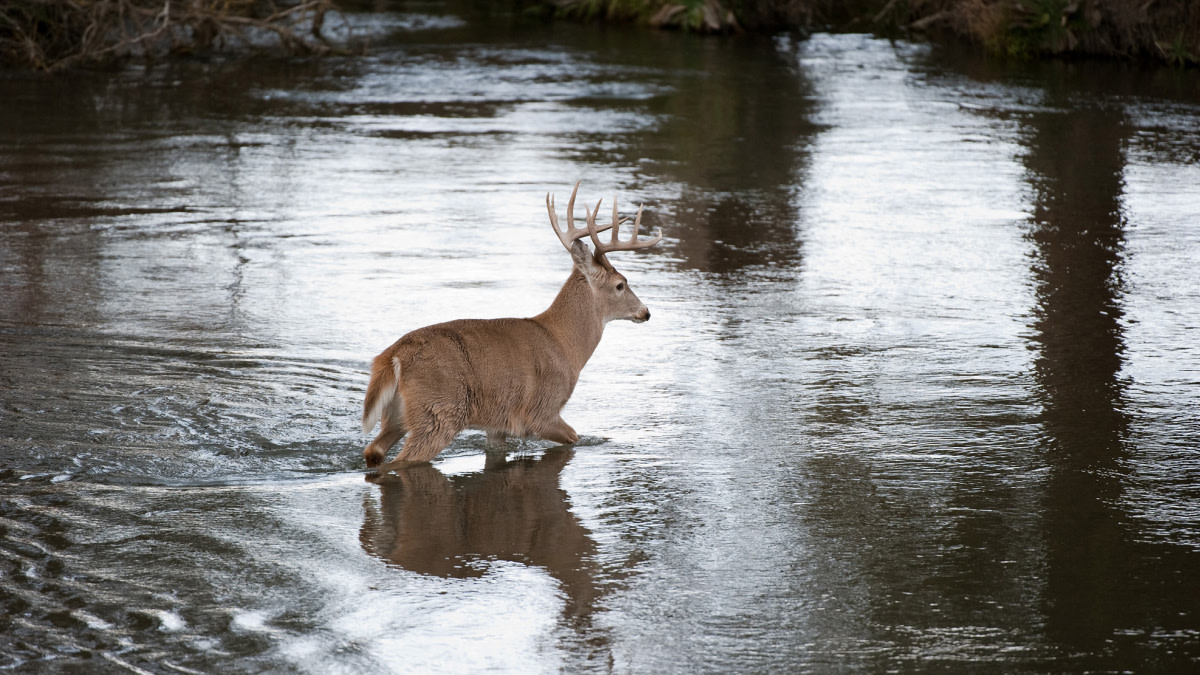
(56, 34)
(1157, 30)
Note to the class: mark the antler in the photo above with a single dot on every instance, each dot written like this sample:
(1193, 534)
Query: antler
(572, 233)
(615, 243)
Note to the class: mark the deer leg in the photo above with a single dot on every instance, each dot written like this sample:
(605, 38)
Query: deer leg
(391, 429)
(424, 447)
(431, 433)
(559, 432)
(497, 439)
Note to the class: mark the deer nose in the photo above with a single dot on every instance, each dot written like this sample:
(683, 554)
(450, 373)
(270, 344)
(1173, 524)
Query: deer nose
(646, 315)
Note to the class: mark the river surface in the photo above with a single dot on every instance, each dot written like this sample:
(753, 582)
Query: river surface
(921, 391)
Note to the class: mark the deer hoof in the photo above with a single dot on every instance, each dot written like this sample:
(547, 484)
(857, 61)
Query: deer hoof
(374, 456)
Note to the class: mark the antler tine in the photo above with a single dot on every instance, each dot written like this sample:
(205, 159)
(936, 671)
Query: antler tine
(614, 243)
(593, 230)
(569, 235)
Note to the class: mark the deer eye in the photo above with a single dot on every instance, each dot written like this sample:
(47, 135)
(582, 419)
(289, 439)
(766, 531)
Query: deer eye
(620, 285)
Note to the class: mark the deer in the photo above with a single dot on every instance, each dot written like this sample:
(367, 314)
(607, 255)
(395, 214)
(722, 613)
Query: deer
(507, 377)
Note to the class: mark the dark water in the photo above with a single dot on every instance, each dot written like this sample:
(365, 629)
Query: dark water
(920, 392)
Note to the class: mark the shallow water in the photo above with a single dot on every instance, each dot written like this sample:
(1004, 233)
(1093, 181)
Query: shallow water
(920, 389)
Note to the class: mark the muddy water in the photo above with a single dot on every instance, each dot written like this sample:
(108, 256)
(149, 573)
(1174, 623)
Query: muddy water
(920, 389)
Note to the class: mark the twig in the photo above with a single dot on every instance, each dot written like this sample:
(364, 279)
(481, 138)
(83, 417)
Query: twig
(883, 12)
(923, 23)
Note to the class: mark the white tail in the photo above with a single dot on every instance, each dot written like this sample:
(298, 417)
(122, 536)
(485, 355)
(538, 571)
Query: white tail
(381, 393)
(509, 377)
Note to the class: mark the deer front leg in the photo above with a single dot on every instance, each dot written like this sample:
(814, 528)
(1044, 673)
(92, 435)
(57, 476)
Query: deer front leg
(559, 432)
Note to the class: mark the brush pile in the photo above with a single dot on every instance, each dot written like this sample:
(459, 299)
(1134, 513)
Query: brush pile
(53, 35)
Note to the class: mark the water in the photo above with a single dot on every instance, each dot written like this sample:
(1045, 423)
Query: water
(919, 391)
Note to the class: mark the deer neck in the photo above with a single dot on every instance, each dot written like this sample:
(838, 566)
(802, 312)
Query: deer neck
(574, 320)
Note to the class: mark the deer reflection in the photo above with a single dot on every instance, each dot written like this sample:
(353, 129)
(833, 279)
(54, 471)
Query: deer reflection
(435, 524)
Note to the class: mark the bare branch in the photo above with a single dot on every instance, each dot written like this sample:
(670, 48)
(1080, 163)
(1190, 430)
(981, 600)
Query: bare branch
(58, 34)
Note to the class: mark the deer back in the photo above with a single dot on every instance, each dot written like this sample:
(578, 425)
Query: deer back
(509, 375)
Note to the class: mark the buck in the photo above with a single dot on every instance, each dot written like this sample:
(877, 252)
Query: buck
(508, 377)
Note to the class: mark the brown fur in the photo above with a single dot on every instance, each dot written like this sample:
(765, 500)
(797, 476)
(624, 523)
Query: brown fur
(509, 377)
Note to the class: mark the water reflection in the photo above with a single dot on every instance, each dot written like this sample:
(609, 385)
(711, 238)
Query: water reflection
(1103, 584)
(734, 138)
(452, 526)
(1076, 164)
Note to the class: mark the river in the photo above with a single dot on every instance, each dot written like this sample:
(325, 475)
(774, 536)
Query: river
(921, 390)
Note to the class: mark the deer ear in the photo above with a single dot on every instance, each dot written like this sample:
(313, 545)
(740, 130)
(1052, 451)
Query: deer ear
(584, 261)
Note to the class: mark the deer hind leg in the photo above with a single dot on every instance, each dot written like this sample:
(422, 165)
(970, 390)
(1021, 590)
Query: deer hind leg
(432, 430)
(391, 429)
(558, 431)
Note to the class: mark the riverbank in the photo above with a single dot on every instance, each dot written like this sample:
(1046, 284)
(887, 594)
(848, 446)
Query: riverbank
(1165, 31)
(55, 35)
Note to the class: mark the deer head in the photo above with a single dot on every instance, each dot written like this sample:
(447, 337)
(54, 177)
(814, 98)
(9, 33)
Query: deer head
(609, 287)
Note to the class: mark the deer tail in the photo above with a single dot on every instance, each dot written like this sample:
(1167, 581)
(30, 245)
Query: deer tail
(385, 376)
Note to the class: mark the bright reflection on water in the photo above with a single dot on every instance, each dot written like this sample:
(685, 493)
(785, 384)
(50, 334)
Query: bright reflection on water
(920, 389)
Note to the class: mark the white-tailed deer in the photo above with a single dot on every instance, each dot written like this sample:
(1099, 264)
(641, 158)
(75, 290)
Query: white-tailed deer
(508, 377)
